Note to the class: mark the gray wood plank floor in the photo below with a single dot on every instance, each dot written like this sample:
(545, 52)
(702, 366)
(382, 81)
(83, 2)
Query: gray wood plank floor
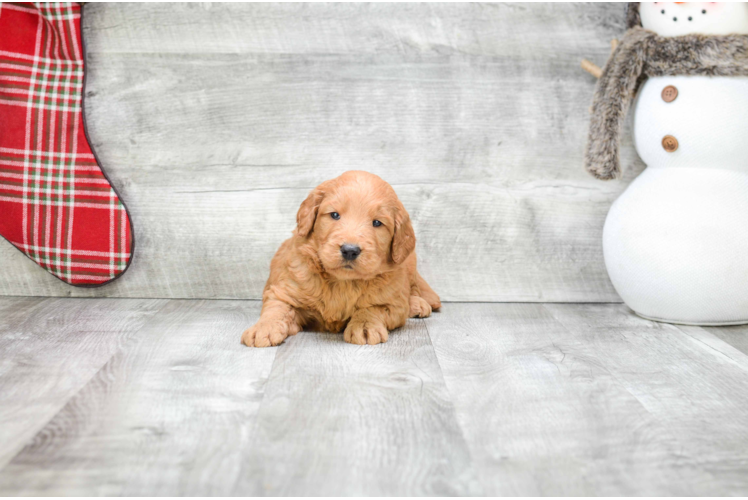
(49, 350)
(157, 397)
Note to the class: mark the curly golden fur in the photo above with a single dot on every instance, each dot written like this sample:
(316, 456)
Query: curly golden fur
(313, 286)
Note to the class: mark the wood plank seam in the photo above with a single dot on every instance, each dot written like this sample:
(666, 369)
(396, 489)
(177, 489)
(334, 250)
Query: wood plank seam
(452, 402)
(715, 344)
(131, 338)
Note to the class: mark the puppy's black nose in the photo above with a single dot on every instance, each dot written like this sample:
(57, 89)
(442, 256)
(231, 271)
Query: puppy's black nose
(350, 252)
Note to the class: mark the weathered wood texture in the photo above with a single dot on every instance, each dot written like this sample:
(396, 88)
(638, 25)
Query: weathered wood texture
(49, 350)
(215, 120)
(339, 419)
(736, 336)
(497, 399)
(170, 414)
(592, 400)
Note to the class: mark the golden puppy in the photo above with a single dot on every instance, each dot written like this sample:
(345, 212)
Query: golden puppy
(350, 265)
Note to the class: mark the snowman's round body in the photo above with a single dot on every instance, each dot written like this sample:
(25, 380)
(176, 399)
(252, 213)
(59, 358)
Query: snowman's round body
(676, 241)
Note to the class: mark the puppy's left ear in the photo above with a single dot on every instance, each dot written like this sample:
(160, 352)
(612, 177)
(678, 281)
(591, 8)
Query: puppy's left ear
(307, 214)
(404, 239)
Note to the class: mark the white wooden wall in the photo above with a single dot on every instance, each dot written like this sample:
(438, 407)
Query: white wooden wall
(215, 120)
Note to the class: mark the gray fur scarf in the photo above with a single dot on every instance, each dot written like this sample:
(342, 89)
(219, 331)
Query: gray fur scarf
(641, 54)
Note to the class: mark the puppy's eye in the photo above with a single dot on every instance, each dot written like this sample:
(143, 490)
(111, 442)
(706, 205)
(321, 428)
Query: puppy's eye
(376, 223)
(335, 215)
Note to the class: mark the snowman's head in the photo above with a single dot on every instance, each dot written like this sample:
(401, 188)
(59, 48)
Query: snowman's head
(683, 18)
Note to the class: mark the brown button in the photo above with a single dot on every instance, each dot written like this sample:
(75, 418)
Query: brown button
(669, 93)
(670, 143)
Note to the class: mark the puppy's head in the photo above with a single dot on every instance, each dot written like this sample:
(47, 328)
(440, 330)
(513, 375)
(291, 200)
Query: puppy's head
(357, 226)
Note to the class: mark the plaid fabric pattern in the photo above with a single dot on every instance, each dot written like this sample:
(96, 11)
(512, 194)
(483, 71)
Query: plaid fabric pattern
(56, 205)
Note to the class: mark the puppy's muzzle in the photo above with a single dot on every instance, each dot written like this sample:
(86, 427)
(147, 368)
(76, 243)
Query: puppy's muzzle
(350, 252)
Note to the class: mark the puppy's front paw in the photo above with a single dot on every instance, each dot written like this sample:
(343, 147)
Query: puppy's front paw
(419, 307)
(265, 334)
(362, 333)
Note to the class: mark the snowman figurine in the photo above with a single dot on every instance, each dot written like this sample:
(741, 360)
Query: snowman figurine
(676, 241)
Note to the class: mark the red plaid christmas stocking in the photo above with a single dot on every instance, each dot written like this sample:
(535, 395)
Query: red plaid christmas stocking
(56, 204)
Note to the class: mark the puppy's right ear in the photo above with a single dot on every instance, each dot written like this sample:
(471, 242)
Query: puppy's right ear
(404, 238)
(307, 213)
